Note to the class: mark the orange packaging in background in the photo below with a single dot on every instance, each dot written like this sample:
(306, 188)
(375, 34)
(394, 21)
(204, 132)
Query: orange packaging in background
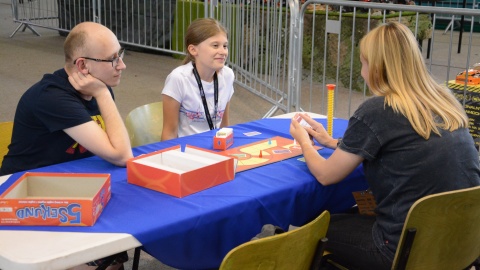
(223, 139)
(178, 173)
(55, 199)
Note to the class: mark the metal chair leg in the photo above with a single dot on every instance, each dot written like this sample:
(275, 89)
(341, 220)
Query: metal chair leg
(136, 258)
(318, 258)
(405, 252)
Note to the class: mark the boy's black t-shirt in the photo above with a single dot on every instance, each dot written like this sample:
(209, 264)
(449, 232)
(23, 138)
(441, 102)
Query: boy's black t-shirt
(43, 112)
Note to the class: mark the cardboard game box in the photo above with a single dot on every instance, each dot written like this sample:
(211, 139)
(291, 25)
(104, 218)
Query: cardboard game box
(178, 173)
(55, 199)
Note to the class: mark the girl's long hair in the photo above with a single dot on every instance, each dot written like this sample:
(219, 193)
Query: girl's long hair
(200, 30)
(397, 71)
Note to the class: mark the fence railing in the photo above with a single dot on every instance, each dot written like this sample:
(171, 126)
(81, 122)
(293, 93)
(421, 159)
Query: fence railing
(324, 49)
(283, 52)
(257, 32)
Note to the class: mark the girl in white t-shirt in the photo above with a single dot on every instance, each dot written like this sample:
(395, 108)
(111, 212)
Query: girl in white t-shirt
(202, 84)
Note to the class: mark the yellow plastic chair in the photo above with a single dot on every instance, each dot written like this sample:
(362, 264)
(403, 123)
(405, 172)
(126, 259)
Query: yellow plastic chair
(144, 124)
(441, 231)
(290, 250)
(6, 129)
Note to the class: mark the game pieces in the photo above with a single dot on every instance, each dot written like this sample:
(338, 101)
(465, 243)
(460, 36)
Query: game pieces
(264, 152)
(331, 99)
(223, 139)
(303, 123)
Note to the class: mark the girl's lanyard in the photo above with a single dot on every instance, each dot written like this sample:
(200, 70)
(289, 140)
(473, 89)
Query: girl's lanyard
(204, 100)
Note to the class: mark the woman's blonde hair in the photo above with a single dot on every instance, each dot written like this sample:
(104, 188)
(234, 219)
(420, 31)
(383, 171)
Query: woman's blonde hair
(397, 71)
(200, 30)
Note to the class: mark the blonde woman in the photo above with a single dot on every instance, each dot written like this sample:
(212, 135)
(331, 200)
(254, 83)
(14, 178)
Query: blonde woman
(411, 137)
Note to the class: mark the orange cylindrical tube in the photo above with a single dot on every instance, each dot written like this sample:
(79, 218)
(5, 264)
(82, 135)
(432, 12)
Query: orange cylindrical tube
(331, 99)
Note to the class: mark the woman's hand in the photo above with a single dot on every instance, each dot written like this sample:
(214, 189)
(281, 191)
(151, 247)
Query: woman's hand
(317, 131)
(299, 133)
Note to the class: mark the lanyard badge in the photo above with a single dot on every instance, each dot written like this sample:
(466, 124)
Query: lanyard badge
(204, 100)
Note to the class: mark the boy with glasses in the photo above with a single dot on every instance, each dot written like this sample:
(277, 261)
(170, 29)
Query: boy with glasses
(71, 113)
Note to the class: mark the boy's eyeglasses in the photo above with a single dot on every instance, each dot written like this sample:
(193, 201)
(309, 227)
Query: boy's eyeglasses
(114, 61)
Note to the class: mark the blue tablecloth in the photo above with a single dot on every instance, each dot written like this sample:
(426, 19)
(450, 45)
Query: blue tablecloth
(197, 231)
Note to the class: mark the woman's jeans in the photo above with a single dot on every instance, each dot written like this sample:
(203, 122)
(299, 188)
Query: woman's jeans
(351, 243)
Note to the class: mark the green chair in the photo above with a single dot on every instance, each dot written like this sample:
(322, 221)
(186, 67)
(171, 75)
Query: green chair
(144, 124)
(6, 129)
(441, 231)
(297, 249)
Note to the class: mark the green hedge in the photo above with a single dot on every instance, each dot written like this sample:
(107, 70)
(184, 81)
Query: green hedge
(188, 11)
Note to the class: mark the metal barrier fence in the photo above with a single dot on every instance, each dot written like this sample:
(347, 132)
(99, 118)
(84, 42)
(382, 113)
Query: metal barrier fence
(470, 4)
(324, 49)
(257, 31)
(285, 54)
